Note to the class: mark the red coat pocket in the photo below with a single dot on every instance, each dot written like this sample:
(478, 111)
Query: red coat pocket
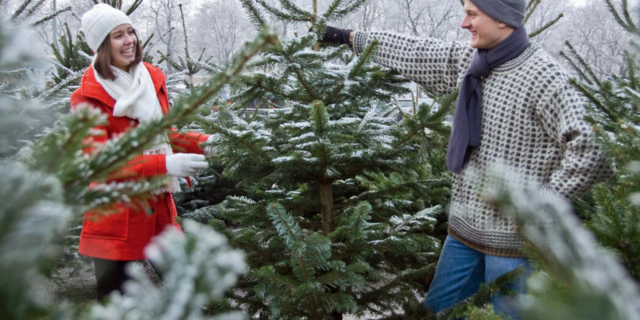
(107, 226)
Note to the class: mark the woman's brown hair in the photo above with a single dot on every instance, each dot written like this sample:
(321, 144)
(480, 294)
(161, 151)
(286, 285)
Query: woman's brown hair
(102, 64)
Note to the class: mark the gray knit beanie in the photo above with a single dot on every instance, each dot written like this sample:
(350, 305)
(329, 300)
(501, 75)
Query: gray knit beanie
(99, 21)
(511, 12)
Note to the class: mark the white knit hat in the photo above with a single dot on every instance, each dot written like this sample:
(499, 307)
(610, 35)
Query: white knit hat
(99, 21)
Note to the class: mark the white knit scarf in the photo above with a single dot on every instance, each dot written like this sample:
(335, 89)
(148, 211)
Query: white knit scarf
(136, 98)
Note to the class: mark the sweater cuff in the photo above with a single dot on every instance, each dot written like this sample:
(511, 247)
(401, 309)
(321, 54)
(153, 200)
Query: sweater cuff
(161, 167)
(156, 164)
(360, 41)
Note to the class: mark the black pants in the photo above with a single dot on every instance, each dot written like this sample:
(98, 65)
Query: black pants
(110, 276)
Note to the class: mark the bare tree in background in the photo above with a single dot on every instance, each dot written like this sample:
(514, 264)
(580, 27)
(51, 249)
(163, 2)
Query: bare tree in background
(442, 20)
(411, 13)
(163, 20)
(371, 13)
(221, 27)
(597, 37)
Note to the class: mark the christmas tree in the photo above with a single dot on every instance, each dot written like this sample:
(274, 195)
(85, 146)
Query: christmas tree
(613, 213)
(339, 198)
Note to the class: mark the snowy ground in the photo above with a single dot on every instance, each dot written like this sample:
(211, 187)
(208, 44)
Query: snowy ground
(78, 285)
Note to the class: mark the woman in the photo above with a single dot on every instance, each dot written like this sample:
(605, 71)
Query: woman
(129, 92)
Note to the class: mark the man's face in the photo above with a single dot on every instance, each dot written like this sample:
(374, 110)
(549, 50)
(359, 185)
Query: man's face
(486, 32)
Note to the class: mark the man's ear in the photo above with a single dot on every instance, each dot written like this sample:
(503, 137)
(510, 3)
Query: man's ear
(502, 25)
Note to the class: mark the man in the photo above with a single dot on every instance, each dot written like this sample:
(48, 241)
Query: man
(515, 108)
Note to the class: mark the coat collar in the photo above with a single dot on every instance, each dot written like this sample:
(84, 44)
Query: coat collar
(92, 89)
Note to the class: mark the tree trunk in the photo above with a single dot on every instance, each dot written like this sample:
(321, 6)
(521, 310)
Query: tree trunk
(326, 202)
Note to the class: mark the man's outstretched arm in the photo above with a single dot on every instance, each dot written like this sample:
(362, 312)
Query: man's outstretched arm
(433, 63)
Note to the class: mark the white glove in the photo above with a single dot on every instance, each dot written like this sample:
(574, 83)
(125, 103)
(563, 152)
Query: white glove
(185, 164)
(209, 150)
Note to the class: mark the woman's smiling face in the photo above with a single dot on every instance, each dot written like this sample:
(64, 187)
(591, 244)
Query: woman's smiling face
(123, 41)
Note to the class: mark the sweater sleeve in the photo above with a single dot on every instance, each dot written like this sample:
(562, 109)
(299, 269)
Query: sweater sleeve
(583, 162)
(433, 63)
(187, 142)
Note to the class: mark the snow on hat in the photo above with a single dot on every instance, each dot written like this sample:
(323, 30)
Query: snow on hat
(99, 21)
(511, 12)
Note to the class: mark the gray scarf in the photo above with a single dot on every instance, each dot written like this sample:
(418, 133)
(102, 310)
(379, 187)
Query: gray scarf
(467, 120)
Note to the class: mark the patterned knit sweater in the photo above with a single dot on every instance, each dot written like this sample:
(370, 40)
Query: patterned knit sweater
(532, 122)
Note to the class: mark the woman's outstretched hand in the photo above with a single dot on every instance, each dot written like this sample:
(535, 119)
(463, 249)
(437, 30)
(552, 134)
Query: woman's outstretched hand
(185, 164)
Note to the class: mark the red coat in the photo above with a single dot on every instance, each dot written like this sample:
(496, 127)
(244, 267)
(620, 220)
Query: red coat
(124, 235)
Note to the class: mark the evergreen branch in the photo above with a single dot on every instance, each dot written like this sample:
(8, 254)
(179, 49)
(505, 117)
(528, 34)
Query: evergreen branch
(319, 113)
(70, 139)
(34, 8)
(288, 4)
(265, 39)
(584, 64)
(531, 8)
(301, 78)
(85, 55)
(622, 22)
(205, 66)
(249, 146)
(625, 10)
(483, 295)
(329, 278)
(548, 222)
(599, 104)
(347, 9)
(51, 16)
(283, 16)
(168, 59)
(146, 42)
(583, 76)
(332, 8)
(607, 141)
(362, 212)
(410, 136)
(546, 26)
(133, 7)
(201, 54)
(282, 281)
(279, 218)
(366, 55)
(284, 222)
(312, 304)
(20, 9)
(279, 93)
(59, 65)
(529, 4)
(14, 71)
(254, 14)
(379, 194)
(184, 29)
(633, 81)
(314, 18)
(400, 279)
(71, 78)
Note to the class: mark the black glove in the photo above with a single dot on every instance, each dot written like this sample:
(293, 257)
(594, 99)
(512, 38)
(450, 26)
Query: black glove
(335, 35)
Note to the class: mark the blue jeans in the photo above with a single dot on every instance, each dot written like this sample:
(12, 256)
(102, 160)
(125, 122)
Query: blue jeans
(460, 272)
